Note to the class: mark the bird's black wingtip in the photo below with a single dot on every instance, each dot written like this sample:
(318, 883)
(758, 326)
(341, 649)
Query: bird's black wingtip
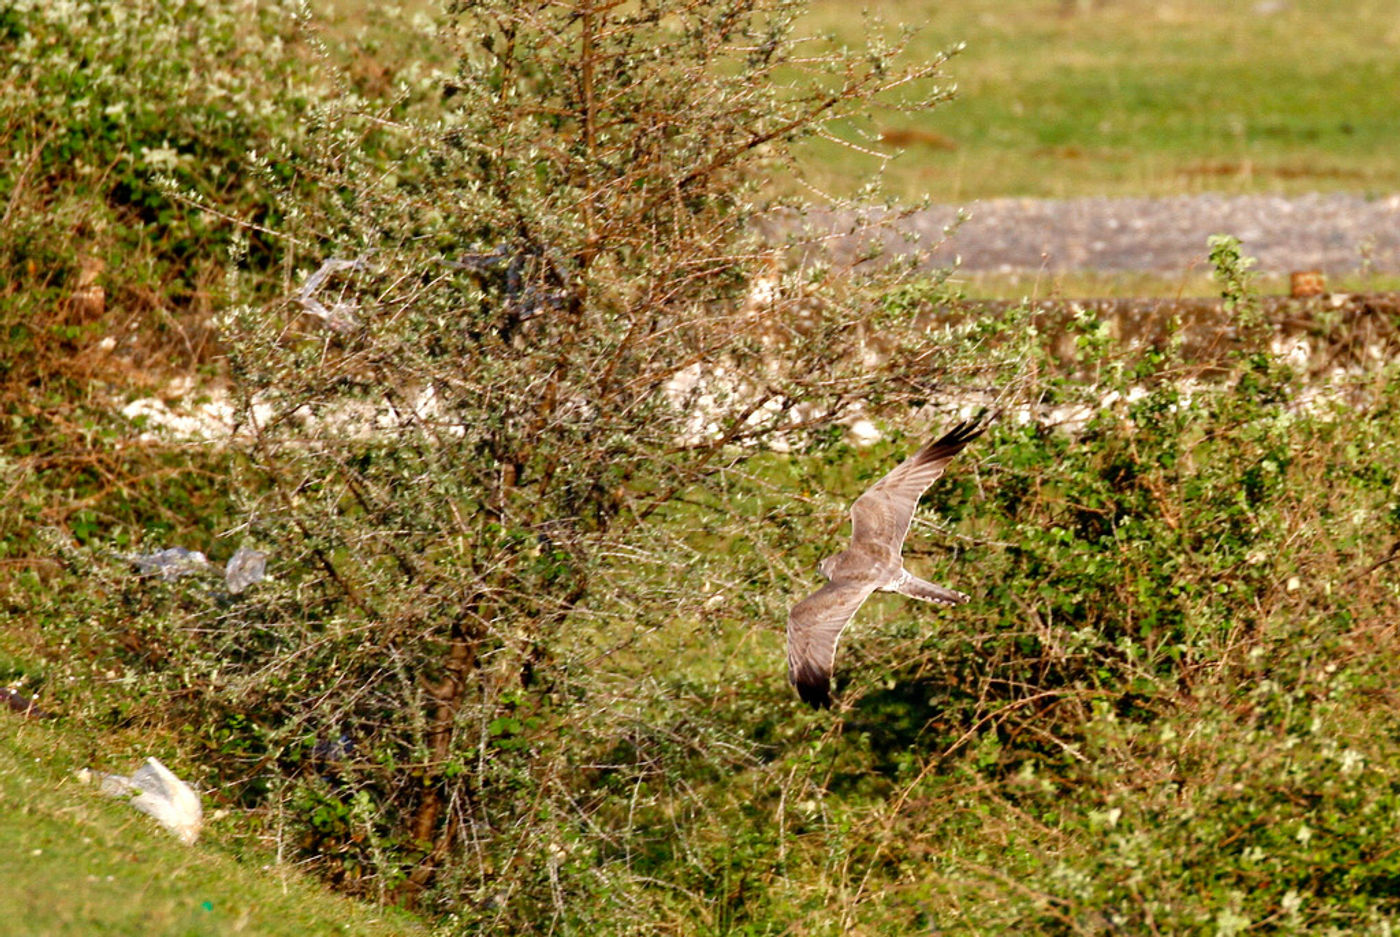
(815, 693)
(964, 432)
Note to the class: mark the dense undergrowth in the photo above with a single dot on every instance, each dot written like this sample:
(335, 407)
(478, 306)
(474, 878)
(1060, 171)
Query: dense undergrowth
(519, 661)
(112, 119)
(1169, 706)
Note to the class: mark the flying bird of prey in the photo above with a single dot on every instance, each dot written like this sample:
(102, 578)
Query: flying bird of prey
(880, 521)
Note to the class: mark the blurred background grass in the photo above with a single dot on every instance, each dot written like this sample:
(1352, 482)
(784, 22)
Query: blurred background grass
(1081, 98)
(1117, 97)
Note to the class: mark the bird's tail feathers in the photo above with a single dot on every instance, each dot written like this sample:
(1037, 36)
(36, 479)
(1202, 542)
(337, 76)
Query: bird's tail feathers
(922, 589)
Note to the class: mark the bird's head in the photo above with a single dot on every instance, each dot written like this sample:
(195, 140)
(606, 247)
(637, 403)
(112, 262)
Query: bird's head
(824, 567)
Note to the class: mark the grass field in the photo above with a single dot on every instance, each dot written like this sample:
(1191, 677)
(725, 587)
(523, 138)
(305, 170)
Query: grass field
(1120, 97)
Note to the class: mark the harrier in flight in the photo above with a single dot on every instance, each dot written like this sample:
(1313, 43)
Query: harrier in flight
(879, 523)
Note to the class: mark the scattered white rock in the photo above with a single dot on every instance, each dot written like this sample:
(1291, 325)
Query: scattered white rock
(863, 432)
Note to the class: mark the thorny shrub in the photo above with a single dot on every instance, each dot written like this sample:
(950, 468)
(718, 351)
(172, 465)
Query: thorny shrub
(512, 350)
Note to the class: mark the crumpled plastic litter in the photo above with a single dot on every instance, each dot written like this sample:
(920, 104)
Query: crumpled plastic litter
(171, 563)
(159, 794)
(333, 750)
(340, 317)
(244, 568)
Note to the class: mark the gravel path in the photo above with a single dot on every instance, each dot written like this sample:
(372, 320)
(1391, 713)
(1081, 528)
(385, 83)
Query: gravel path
(1335, 233)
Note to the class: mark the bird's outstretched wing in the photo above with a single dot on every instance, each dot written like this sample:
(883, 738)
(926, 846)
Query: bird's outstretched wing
(814, 628)
(882, 515)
